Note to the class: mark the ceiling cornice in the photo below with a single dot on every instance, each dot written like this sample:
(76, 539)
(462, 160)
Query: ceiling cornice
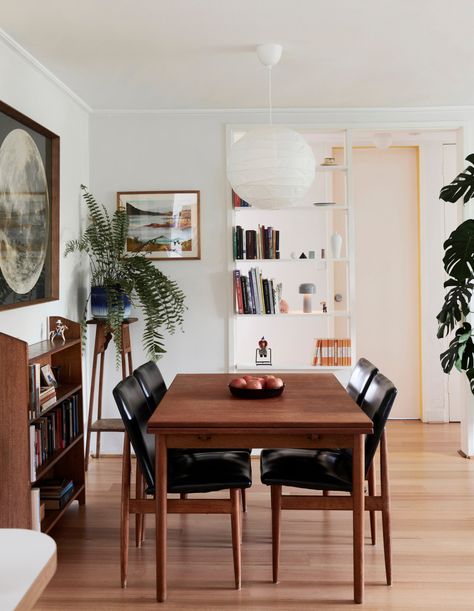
(15, 46)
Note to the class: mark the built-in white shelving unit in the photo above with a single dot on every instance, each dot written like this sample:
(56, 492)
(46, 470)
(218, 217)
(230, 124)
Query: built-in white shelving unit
(305, 227)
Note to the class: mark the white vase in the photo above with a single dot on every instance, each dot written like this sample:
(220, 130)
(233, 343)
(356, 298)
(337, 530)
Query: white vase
(336, 245)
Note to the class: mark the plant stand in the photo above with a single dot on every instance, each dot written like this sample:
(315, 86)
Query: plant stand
(102, 341)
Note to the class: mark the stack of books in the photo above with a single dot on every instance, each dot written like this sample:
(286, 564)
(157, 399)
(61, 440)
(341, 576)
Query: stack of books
(47, 397)
(261, 243)
(40, 397)
(254, 294)
(55, 493)
(332, 352)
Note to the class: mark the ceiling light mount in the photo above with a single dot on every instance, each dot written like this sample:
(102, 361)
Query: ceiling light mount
(269, 54)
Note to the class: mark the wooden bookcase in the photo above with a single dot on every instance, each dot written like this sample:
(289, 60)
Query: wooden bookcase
(15, 484)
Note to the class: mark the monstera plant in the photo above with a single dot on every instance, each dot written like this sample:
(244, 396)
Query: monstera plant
(459, 265)
(124, 277)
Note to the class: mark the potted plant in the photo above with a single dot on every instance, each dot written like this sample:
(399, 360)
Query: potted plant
(459, 265)
(120, 279)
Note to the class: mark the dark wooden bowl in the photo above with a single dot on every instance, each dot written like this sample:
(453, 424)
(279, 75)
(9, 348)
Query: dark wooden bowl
(251, 393)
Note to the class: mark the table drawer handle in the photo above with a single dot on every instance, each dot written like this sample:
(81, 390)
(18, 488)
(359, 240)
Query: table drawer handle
(204, 437)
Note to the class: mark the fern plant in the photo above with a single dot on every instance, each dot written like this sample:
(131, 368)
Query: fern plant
(159, 298)
(459, 265)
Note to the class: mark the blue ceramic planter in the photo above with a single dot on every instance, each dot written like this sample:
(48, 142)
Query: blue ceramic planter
(99, 303)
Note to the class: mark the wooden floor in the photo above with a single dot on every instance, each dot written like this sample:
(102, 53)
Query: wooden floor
(433, 544)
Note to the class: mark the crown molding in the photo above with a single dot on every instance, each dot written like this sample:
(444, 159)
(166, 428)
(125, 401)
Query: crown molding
(442, 115)
(22, 52)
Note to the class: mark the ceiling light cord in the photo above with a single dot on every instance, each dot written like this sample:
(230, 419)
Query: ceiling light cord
(270, 107)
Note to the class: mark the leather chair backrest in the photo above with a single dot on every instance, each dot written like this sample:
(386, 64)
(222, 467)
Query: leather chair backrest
(377, 404)
(361, 377)
(134, 410)
(151, 381)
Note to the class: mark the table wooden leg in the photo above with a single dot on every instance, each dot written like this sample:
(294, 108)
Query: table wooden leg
(358, 516)
(161, 484)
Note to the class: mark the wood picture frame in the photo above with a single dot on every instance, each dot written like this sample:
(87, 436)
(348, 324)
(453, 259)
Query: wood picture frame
(29, 211)
(163, 224)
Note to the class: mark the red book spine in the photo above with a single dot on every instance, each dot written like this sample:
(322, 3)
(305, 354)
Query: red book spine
(239, 302)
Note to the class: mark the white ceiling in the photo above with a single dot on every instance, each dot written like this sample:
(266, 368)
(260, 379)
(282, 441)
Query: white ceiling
(174, 54)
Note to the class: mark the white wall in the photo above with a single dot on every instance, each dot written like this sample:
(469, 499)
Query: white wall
(29, 90)
(186, 150)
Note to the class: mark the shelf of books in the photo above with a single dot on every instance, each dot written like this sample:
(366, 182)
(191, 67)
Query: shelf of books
(45, 457)
(276, 254)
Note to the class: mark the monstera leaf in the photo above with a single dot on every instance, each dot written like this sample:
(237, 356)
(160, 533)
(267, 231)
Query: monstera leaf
(470, 377)
(460, 353)
(459, 252)
(463, 184)
(456, 305)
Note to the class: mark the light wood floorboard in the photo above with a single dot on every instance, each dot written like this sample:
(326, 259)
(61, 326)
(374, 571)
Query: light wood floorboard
(433, 544)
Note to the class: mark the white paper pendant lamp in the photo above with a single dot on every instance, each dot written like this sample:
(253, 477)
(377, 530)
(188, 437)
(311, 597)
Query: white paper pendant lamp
(271, 167)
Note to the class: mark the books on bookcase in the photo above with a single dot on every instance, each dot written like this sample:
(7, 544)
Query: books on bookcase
(53, 432)
(332, 352)
(238, 202)
(261, 243)
(55, 493)
(253, 293)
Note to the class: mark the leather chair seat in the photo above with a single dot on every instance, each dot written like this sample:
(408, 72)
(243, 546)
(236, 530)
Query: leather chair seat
(200, 471)
(311, 469)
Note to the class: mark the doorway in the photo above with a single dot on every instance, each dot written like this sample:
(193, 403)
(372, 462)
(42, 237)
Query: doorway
(386, 196)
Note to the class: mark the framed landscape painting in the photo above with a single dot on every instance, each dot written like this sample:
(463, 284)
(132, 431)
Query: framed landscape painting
(29, 211)
(162, 224)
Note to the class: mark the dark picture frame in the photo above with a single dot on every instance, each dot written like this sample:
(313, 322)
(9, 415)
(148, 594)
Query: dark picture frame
(29, 211)
(165, 225)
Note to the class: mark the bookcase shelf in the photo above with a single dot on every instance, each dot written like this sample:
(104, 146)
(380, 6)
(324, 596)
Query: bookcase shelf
(16, 358)
(278, 367)
(299, 314)
(257, 284)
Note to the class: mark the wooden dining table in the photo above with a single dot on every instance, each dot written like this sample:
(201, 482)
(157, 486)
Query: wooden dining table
(314, 411)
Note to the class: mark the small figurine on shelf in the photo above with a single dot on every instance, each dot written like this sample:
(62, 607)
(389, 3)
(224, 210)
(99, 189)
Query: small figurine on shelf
(58, 332)
(325, 307)
(263, 354)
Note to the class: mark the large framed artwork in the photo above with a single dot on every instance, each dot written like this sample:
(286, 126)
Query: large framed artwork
(162, 224)
(29, 211)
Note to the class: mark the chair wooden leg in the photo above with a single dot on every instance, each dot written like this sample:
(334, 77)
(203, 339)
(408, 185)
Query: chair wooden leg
(372, 492)
(385, 491)
(236, 535)
(183, 496)
(243, 494)
(124, 513)
(276, 528)
(325, 492)
(139, 494)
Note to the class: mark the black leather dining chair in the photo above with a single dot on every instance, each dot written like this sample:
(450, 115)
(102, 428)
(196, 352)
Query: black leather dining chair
(332, 470)
(188, 472)
(361, 377)
(154, 387)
